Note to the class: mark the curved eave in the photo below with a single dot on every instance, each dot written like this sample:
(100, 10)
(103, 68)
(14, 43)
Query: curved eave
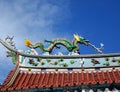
(29, 80)
(10, 78)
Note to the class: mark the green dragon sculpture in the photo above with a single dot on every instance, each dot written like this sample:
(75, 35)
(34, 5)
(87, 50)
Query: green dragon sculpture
(72, 47)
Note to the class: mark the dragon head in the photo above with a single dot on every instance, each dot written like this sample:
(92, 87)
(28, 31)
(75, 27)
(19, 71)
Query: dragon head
(81, 40)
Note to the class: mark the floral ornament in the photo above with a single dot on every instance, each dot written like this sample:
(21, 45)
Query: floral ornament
(61, 60)
(113, 67)
(72, 61)
(42, 62)
(113, 60)
(56, 69)
(107, 63)
(35, 64)
(38, 59)
(82, 69)
(55, 63)
(64, 65)
(29, 69)
(118, 62)
(48, 60)
(107, 59)
(32, 62)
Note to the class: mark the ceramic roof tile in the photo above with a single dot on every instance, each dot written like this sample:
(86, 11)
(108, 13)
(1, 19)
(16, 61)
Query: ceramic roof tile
(40, 80)
(56, 84)
(101, 78)
(21, 82)
(32, 79)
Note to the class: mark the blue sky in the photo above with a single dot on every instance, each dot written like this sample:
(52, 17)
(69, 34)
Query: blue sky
(95, 20)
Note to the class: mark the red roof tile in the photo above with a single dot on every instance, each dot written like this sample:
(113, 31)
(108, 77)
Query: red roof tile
(8, 81)
(25, 80)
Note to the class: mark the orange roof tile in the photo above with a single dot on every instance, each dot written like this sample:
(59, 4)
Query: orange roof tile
(25, 80)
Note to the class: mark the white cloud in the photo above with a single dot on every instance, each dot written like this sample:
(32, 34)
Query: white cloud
(33, 19)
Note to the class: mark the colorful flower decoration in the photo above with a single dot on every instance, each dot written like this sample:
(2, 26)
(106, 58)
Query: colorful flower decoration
(82, 69)
(29, 69)
(35, 64)
(56, 69)
(64, 65)
(38, 59)
(72, 61)
(113, 67)
(107, 59)
(48, 60)
(119, 62)
(61, 59)
(42, 62)
(113, 60)
(32, 62)
(107, 63)
(55, 63)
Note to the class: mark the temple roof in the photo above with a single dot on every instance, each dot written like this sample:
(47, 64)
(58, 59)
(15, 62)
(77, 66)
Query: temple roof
(34, 71)
(20, 78)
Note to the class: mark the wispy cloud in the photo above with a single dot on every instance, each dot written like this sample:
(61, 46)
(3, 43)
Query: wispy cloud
(33, 19)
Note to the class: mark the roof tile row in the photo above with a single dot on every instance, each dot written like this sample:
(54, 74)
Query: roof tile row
(40, 80)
